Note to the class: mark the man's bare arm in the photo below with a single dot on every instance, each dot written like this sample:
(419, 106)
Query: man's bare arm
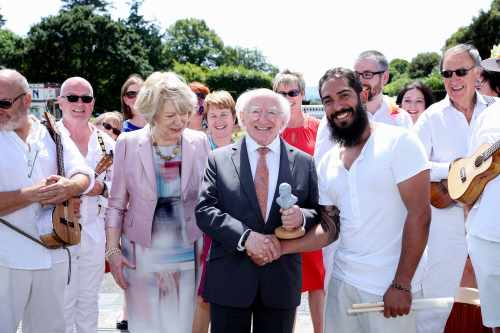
(11, 201)
(322, 234)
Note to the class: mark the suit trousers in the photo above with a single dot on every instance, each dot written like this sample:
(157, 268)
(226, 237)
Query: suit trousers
(34, 296)
(226, 319)
(81, 308)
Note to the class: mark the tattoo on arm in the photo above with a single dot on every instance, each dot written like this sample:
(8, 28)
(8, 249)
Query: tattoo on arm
(330, 221)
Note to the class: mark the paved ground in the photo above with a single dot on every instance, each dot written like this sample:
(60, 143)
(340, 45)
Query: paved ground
(111, 301)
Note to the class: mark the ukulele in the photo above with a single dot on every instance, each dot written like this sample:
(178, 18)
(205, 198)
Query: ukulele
(66, 229)
(468, 177)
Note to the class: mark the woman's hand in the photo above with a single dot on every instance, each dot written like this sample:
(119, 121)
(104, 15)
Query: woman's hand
(116, 264)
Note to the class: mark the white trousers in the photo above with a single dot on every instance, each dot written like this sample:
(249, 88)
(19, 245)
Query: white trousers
(446, 255)
(81, 308)
(341, 296)
(34, 296)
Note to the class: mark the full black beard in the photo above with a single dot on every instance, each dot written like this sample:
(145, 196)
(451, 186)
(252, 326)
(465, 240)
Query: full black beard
(351, 135)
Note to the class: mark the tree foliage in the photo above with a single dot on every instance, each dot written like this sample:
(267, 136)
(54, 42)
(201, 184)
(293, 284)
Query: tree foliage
(191, 40)
(483, 32)
(11, 49)
(191, 72)
(398, 67)
(81, 43)
(98, 5)
(248, 58)
(423, 64)
(237, 80)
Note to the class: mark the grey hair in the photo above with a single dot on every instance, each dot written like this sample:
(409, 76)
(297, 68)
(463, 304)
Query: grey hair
(245, 99)
(288, 77)
(79, 79)
(19, 79)
(161, 88)
(461, 48)
(374, 55)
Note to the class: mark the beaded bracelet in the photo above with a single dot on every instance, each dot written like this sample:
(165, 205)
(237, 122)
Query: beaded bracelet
(112, 251)
(397, 286)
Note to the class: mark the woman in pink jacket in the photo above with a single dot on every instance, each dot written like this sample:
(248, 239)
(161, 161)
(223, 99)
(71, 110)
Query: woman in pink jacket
(150, 225)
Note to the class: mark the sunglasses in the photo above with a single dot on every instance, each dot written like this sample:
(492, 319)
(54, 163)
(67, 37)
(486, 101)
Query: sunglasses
(131, 94)
(108, 127)
(75, 98)
(367, 75)
(291, 93)
(8, 102)
(461, 72)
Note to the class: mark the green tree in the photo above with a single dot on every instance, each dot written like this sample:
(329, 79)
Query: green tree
(191, 40)
(398, 67)
(79, 42)
(149, 32)
(483, 32)
(99, 5)
(249, 58)
(237, 80)
(191, 72)
(423, 64)
(396, 85)
(11, 49)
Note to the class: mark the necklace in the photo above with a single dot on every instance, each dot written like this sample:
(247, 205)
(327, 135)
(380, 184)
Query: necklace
(166, 158)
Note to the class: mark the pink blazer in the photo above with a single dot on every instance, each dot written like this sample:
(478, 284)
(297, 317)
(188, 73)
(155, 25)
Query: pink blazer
(133, 196)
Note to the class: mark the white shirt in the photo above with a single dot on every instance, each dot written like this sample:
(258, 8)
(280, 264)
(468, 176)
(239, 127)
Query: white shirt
(446, 134)
(26, 164)
(483, 220)
(92, 208)
(382, 115)
(272, 161)
(372, 213)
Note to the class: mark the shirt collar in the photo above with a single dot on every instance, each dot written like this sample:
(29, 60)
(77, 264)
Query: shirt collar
(479, 100)
(252, 146)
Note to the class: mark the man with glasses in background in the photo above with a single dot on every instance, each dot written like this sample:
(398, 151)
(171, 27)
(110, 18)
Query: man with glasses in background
(32, 277)
(445, 129)
(87, 258)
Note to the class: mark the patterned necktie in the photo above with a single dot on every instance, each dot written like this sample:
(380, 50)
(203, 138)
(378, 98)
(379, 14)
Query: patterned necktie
(262, 180)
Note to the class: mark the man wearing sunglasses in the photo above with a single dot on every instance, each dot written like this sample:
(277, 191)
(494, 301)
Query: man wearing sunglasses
(32, 278)
(87, 265)
(445, 129)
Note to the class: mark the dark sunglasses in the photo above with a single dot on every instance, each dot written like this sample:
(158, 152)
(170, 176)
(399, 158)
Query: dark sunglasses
(74, 98)
(108, 127)
(461, 72)
(131, 94)
(367, 75)
(8, 102)
(291, 93)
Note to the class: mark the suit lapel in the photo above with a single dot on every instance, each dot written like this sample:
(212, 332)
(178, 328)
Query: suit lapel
(242, 167)
(146, 156)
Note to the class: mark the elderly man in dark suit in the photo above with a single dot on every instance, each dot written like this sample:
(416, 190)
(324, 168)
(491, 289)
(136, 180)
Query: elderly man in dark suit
(246, 274)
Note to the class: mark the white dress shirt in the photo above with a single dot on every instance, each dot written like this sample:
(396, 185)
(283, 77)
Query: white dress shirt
(483, 220)
(272, 161)
(372, 213)
(92, 208)
(25, 164)
(382, 115)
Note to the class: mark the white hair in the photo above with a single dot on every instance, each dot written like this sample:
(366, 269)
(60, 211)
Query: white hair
(245, 99)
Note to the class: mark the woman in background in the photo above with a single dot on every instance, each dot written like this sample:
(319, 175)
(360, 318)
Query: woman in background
(110, 123)
(415, 98)
(130, 89)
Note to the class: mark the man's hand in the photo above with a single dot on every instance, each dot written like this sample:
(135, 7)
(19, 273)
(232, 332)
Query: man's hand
(262, 249)
(396, 302)
(292, 217)
(97, 189)
(58, 189)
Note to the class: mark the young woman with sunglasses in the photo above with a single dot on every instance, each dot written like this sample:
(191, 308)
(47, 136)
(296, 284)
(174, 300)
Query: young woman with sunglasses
(301, 133)
(110, 122)
(130, 89)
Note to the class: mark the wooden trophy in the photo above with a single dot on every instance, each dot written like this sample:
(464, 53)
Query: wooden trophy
(286, 200)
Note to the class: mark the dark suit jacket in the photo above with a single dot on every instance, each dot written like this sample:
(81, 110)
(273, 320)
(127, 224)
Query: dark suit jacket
(228, 206)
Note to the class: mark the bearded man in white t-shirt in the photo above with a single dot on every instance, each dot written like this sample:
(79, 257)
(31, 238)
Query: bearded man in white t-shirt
(378, 179)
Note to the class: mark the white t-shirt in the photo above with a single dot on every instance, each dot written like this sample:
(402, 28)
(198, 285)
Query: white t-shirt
(372, 213)
(483, 220)
(383, 115)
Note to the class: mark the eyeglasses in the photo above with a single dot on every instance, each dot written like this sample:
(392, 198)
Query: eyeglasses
(367, 75)
(131, 94)
(75, 98)
(8, 102)
(108, 127)
(270, 114)
(291, 93)
(461, 72)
